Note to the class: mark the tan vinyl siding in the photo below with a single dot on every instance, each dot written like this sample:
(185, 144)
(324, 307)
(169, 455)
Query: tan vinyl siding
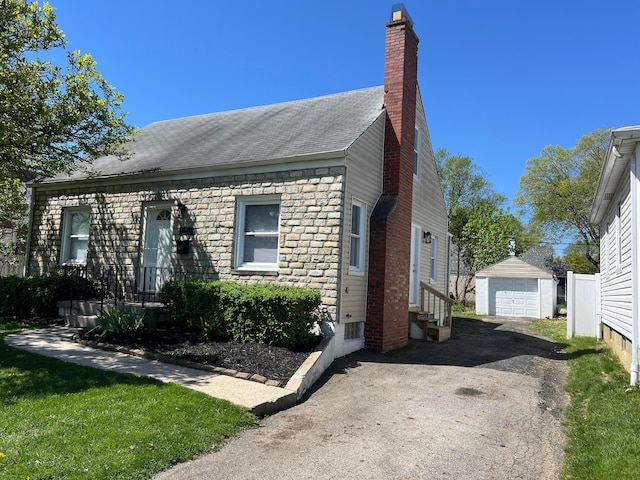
(428, 206)
(617, 294)
(363, 183)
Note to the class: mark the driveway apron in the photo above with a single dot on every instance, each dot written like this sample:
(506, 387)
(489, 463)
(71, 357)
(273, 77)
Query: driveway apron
(487, 404)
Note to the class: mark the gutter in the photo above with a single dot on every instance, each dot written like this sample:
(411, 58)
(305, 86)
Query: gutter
(315, 160)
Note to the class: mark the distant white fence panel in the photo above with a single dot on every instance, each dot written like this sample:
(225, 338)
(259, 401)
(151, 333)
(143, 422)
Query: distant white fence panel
(8, 269)
(582, 297)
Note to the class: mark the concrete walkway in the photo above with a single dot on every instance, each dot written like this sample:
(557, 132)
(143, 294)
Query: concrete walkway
(57, 342)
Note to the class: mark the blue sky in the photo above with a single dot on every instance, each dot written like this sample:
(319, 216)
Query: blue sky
(500, 79)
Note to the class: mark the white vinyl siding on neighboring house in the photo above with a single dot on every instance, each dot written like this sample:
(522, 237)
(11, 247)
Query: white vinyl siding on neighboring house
(257, 233)
(75, 235)
(357, 238)
(618, 242)
(615, 262)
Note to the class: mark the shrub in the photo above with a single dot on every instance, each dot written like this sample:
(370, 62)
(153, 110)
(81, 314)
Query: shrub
(23, 297)
(39, 295)
(196, 304)
(119, 319)
(14, 297)
(45, 291)
(270, 314)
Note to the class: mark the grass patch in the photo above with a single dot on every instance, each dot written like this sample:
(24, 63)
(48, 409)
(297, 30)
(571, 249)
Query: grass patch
(603, 418)
(465, 313)
(61, 420)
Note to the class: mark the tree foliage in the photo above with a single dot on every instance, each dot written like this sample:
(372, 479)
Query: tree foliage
(491, 235)
(464, 184)
(54, 118)
(482, 231)
(558, 187)
(576, 259)
(13, 208)
(51, 116)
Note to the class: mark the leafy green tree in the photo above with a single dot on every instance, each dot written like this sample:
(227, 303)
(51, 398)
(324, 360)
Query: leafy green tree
(13, 208)
(51, 117)
(465, 187)
(463, 183)
(54, 118)
(491, 235)
(557, 190)
(576, 259)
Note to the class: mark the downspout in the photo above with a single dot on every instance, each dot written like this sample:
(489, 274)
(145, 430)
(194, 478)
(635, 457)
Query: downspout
(27, 248)
(635, 257)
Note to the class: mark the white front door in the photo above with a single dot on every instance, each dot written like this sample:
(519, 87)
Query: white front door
(414, 274)
(156, 249)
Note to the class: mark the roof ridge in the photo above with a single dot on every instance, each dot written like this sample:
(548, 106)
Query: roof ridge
(268, 105)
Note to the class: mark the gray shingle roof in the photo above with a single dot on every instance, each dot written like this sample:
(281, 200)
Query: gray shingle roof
(252, 135)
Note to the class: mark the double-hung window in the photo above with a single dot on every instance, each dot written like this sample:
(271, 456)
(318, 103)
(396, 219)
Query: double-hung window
(434, 259)
(257, 233)
(417, 148)
(75, 235)
(356, 250)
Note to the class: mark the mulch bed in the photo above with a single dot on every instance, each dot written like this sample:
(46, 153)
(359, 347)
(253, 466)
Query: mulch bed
(264, 363)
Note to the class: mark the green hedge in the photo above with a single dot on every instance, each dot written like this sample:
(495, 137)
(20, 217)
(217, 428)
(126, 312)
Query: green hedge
(39, 295)
(270, 314)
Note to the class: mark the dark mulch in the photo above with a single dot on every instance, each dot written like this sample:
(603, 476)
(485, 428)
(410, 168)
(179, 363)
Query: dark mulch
(274, 363)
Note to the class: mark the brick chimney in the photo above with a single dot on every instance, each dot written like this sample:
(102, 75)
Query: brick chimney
(387, 322)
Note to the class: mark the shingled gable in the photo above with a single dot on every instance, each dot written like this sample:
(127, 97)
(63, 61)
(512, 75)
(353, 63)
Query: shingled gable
(513, 267)
(269, 134)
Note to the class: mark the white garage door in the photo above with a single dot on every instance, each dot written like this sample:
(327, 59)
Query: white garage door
(514, 297)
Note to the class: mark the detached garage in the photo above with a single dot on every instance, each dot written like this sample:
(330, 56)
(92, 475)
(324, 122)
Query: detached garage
(514, 288)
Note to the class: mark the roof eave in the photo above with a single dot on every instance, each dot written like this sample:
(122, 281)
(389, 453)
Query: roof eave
(621, 145)
(327, 159)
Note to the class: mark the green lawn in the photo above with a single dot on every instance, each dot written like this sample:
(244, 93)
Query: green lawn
(603, 419)
(60, 420)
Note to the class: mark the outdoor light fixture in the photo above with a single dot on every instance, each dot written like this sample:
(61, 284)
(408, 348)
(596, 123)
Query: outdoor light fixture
(181, 208)
(426, 236)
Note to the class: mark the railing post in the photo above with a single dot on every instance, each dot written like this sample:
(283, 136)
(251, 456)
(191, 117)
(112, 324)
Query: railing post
(144, 283)
(66, 277)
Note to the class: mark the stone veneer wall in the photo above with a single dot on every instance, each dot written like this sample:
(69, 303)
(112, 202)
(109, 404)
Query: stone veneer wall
(310, 225)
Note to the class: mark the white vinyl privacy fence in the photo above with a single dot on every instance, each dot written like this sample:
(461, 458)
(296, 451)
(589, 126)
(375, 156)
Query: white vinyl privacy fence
(582, 305)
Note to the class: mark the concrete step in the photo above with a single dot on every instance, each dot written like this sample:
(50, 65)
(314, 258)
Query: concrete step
(439, 332)
(81, 307)
(81, 321)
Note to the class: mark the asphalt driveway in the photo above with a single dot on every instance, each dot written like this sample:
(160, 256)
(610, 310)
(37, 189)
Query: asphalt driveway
(487, 404)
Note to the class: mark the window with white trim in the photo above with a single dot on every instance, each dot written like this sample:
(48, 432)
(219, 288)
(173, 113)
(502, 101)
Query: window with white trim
(356, 245)
(75, 235)
(257, 233)
(417, 148)
(434, 259)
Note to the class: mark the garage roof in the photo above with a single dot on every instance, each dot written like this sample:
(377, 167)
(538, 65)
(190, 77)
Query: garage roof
(513, 267)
